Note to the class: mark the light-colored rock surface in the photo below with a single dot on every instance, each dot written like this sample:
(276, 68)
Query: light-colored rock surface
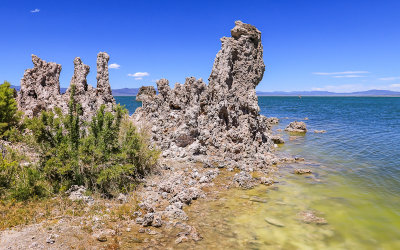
(277, 139)
(302, 171)
(218, 120)
(310, 216)
(40, 87)
(146, 92)
(298, 127)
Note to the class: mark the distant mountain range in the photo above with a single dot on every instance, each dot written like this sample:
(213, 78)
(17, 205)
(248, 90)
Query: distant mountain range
(372, 92)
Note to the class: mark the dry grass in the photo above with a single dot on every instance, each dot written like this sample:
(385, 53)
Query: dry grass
(13, 213)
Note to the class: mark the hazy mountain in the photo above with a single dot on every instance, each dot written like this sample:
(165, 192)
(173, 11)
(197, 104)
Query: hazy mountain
(125, 92)
(372, 92)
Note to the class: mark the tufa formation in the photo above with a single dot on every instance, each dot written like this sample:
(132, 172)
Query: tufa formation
(40, 87)
(218, 120)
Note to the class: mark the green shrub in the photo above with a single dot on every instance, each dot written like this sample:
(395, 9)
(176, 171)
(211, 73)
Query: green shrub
(9, 115)
(106, 155)
(21, 182)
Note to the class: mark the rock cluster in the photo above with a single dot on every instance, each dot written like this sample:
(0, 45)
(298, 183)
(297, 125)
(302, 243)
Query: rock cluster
(145, 92)
(297, 127)
(221, 119)
(40, 87)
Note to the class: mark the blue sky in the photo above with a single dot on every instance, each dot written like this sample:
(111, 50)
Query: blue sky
(339, 46)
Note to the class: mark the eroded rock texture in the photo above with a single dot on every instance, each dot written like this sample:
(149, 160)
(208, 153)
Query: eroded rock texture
(221, 119)
(145, 92)
(40, 87)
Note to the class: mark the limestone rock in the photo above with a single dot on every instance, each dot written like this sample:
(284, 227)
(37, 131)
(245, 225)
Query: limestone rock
(145, 92)
(221, 119)
(40, 88)
(277, 139)
(244, 180)
(298, 127)
(103, 91)
(310, 216)
(303, 171)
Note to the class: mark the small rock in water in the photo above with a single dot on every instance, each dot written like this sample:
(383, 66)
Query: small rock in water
(298, 127)
(309, 216)
(266, 181)
(292, 137)
(274, 222)
(319, 131)
(258, 199)
(277, 139)
(302, 171)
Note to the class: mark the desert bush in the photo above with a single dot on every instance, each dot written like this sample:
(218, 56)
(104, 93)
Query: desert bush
(20, 182)
(106, 155)
(9, 115)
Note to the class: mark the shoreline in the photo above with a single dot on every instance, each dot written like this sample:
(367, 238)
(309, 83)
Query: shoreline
(150, 201)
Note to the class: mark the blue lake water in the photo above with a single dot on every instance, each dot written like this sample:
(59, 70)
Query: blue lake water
(356, 162)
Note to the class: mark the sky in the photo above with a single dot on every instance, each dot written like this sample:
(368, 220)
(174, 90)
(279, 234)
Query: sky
(339, 46)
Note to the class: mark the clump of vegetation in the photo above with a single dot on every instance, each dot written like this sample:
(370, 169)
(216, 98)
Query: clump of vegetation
(107, 154)
(9, 115)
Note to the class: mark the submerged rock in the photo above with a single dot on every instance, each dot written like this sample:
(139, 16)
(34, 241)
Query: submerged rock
(273, 120)
(310, 216)
(302, 171)
(40, 88)
(277, 139)
(319, 131)
(299, 127)
(274, 222)
(221, 119)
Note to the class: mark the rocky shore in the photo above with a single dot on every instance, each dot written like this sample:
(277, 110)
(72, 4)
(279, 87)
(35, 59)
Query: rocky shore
(212, 138)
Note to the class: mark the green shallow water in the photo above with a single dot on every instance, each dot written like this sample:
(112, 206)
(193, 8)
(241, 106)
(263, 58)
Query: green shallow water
(355, 183)
(234, 221)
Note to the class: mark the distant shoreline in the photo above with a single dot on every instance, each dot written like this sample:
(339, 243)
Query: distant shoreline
(304, 96)
(368, 93)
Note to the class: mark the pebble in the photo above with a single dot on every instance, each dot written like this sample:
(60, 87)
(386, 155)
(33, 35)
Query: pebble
(302, 171)
(258, 199)
(102, 238)
(274, 222)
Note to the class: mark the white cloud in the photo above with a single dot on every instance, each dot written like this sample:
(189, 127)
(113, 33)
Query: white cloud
(348, 76)
(35, 11)
(340, 73)
(114, 66)
(390, 78)
(139, 74)
(397, 85)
